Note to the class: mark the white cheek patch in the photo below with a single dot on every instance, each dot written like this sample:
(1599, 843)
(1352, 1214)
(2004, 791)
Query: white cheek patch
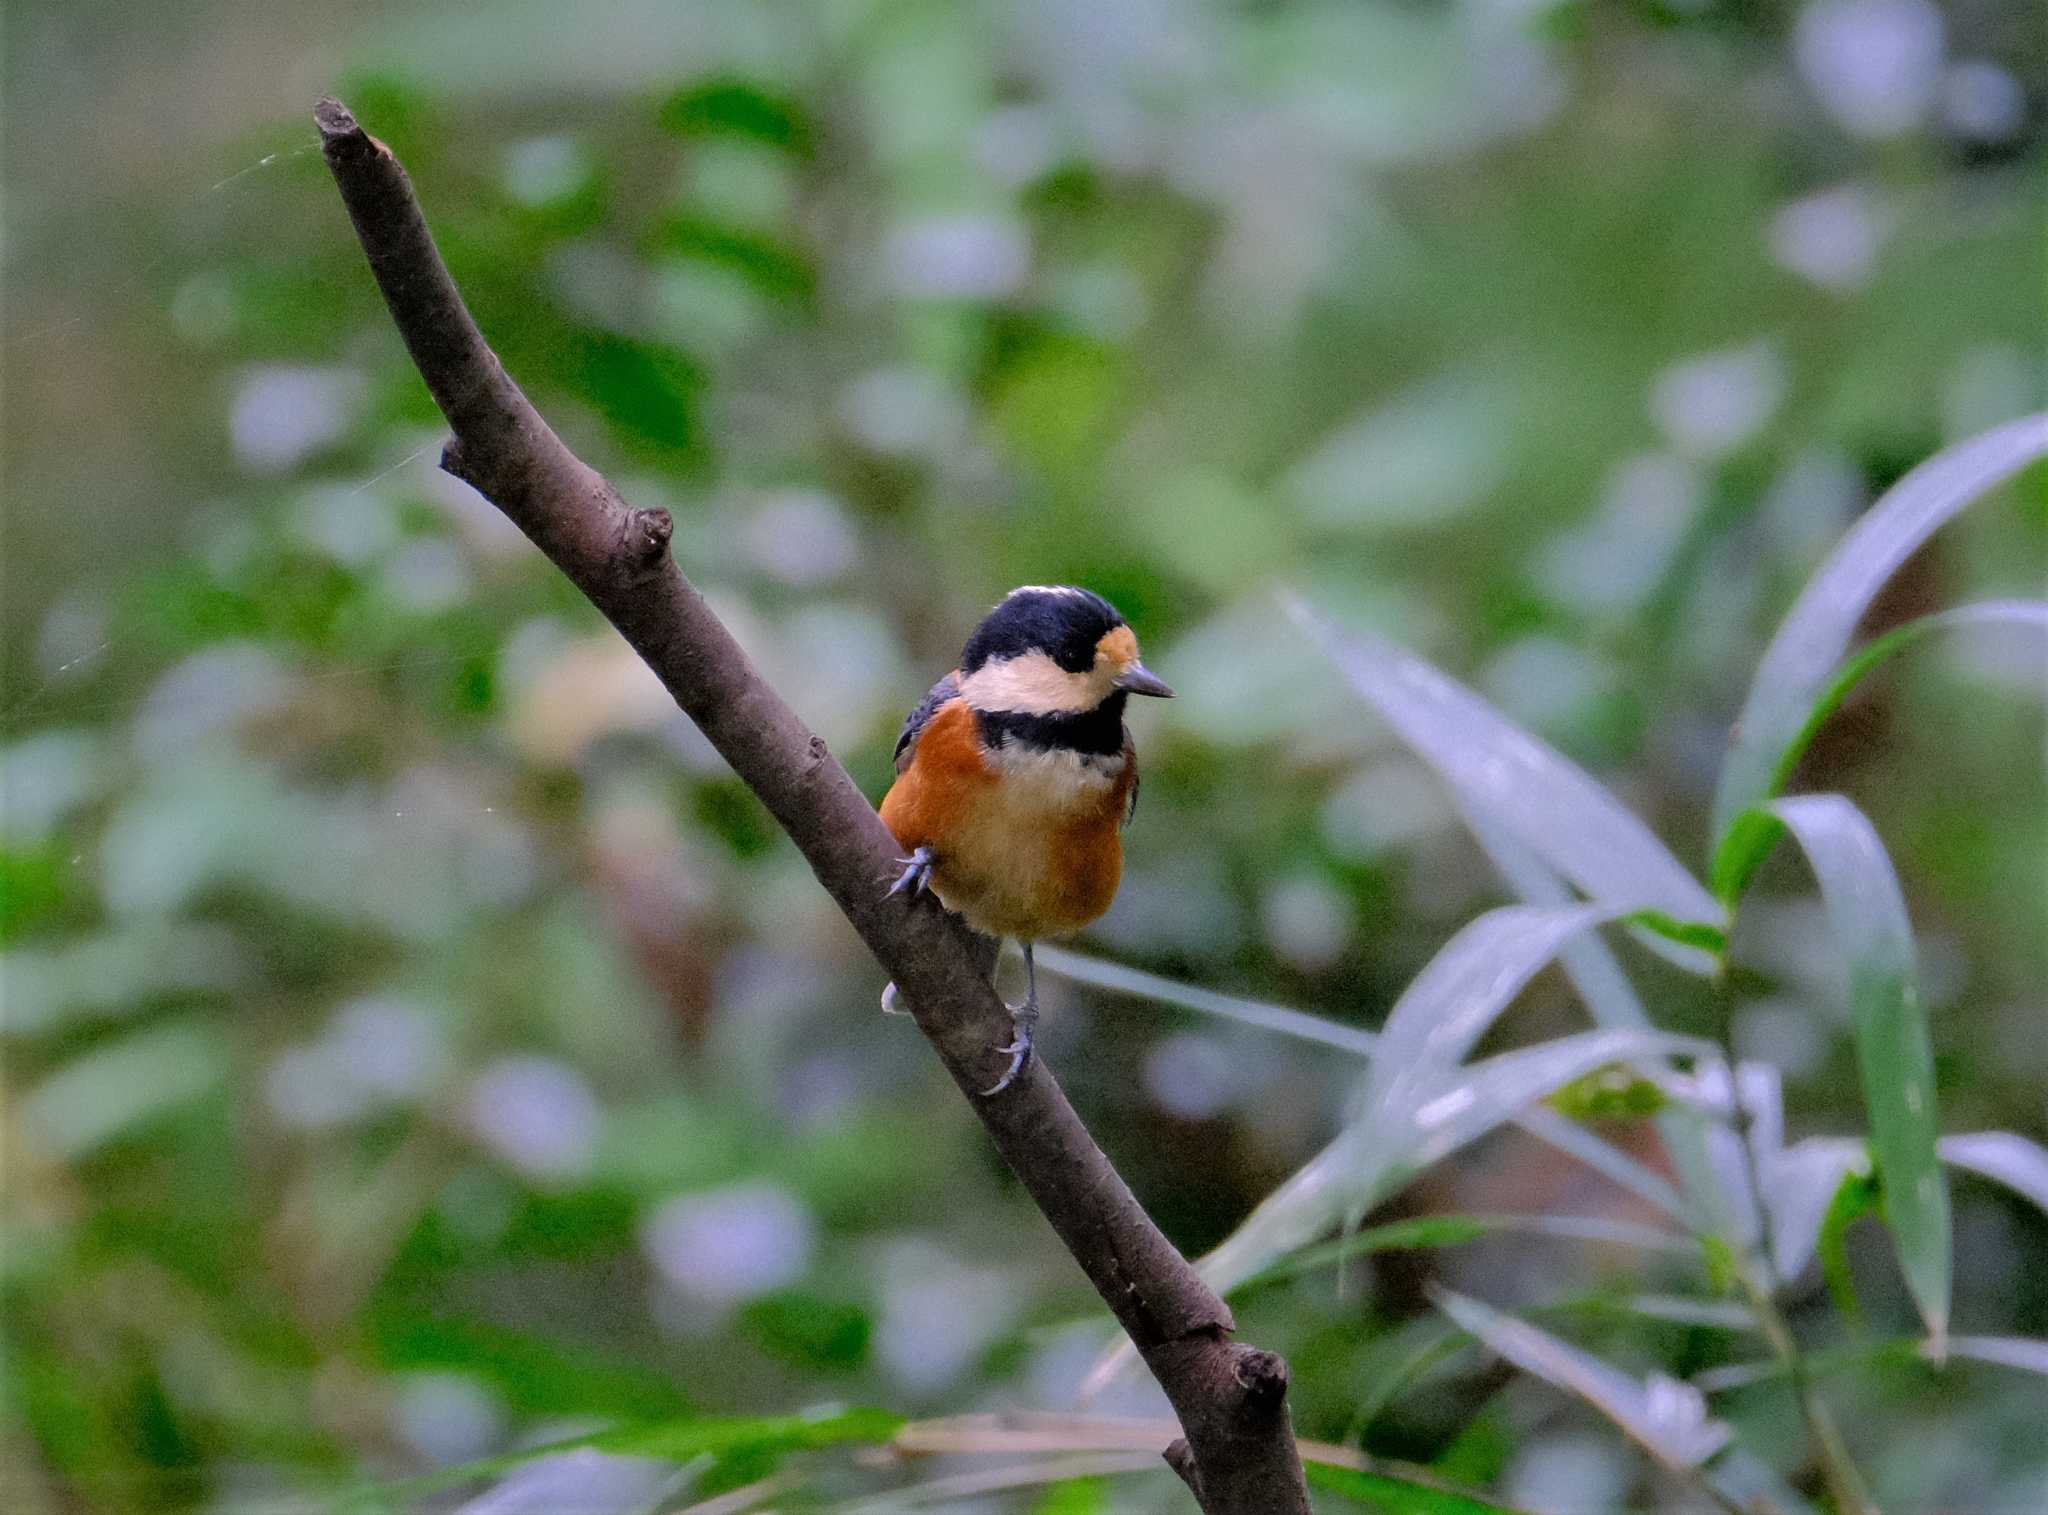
(1032, 684)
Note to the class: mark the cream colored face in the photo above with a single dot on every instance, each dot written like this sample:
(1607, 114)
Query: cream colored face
(1035, 685)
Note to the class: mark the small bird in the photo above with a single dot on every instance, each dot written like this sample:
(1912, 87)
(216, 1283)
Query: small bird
(1016, 774)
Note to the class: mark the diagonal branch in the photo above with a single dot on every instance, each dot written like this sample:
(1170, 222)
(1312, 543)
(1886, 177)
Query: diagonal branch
(1231, 1398)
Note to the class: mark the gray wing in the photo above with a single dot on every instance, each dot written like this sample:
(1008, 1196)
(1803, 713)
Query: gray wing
(906, 745)
(1131, 757)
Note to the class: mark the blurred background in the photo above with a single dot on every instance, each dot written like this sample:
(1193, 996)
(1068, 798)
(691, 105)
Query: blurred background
(418, 1045)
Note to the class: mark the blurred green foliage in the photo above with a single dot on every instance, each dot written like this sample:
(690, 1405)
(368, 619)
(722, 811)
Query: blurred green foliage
(419, 1050)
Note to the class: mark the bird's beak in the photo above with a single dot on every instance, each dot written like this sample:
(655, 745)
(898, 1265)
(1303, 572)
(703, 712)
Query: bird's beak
(1138, 679)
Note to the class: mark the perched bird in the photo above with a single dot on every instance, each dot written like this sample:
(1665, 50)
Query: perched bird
(1016, 774)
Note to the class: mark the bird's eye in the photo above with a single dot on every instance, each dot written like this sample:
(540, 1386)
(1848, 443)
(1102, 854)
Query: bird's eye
(1077, 656)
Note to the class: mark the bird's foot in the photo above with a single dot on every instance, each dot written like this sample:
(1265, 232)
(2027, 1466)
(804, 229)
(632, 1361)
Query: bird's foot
(1025, 1017)
(916, 876)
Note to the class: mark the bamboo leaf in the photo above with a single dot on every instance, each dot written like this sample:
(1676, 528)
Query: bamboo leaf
(1494, 1090)
(1416, 1106)
(2012, 1160)
(1544, 1124)
(1464, 989)
(1797, 666)
(1746, 839)
(1419, 1103)
(1822, 1185)
(1749, 1484)
(1398, 1495)
(1806, 1181)
(1709, 1314)
(1892, 1049)
(1390, 1366)
(1612, 1000)
(1587, 961)
(1046, 1441)
(1855, 1197)
(122, 1084)
(717, 1437)
(2001, 1351)
(1604, 1158)
(1523, 786)
(1118, 979)
(1394, 1140)
(1667, 1418)
(1432, 1231)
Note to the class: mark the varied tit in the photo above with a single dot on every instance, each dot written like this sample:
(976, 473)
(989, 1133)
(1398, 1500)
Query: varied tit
(1016, 774)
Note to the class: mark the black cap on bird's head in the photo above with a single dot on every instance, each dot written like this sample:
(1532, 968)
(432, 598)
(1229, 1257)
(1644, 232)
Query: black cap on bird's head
(1052, 649)
(1064, 623)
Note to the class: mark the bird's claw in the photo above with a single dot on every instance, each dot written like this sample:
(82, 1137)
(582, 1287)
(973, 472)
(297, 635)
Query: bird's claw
(891, 1001)
(1026, 1017)
(917, 873)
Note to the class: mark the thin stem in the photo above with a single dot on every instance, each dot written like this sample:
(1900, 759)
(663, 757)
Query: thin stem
(1758, 1272)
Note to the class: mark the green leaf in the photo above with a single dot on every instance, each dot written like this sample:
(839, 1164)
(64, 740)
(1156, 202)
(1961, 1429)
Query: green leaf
(1746, 1482)
(1748, 837)
(1501, 1086)
(124, 1084)
(1723, 1267)
(727, 1436)
(1797, 668)
(1587, 960)
(1667, 1418)
(1405, 1129)
(1857, 1196)
(2011, 1159)
(1801, 1182)
(1420, 1102)
(719, 1438)
(32, 891)
(1465, 987)
(1075, 1496)
(1701, 1198)
(532, 1375)
(1526, 789)
(1118, 979)
(770, 265)
(1388, 1366)
(1744, 846)
(735, 107)
(2020, 1352)
(1432, 1026)
(129, 966)
(648, 392)
(1611, 1093)
(1546, 1125)
(1700, 934)
(1868, 914)
(818, 1335)
(1398, 1494)
(1429, 1231)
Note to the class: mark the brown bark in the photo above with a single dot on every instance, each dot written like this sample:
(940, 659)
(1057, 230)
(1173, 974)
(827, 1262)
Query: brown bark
(1239, 1453)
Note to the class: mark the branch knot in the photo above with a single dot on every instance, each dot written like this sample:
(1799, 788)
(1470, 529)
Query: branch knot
(1262, 1375)
(643, 540)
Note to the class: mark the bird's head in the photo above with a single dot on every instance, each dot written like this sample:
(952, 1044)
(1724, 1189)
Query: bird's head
(1053, 651)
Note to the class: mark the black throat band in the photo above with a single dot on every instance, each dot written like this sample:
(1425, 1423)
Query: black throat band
(1092, 733)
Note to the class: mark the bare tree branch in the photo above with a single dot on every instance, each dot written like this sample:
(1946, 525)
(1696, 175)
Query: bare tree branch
(1230, 1398)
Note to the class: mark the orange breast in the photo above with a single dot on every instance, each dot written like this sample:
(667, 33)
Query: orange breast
(933, 798)
(1026, 843)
